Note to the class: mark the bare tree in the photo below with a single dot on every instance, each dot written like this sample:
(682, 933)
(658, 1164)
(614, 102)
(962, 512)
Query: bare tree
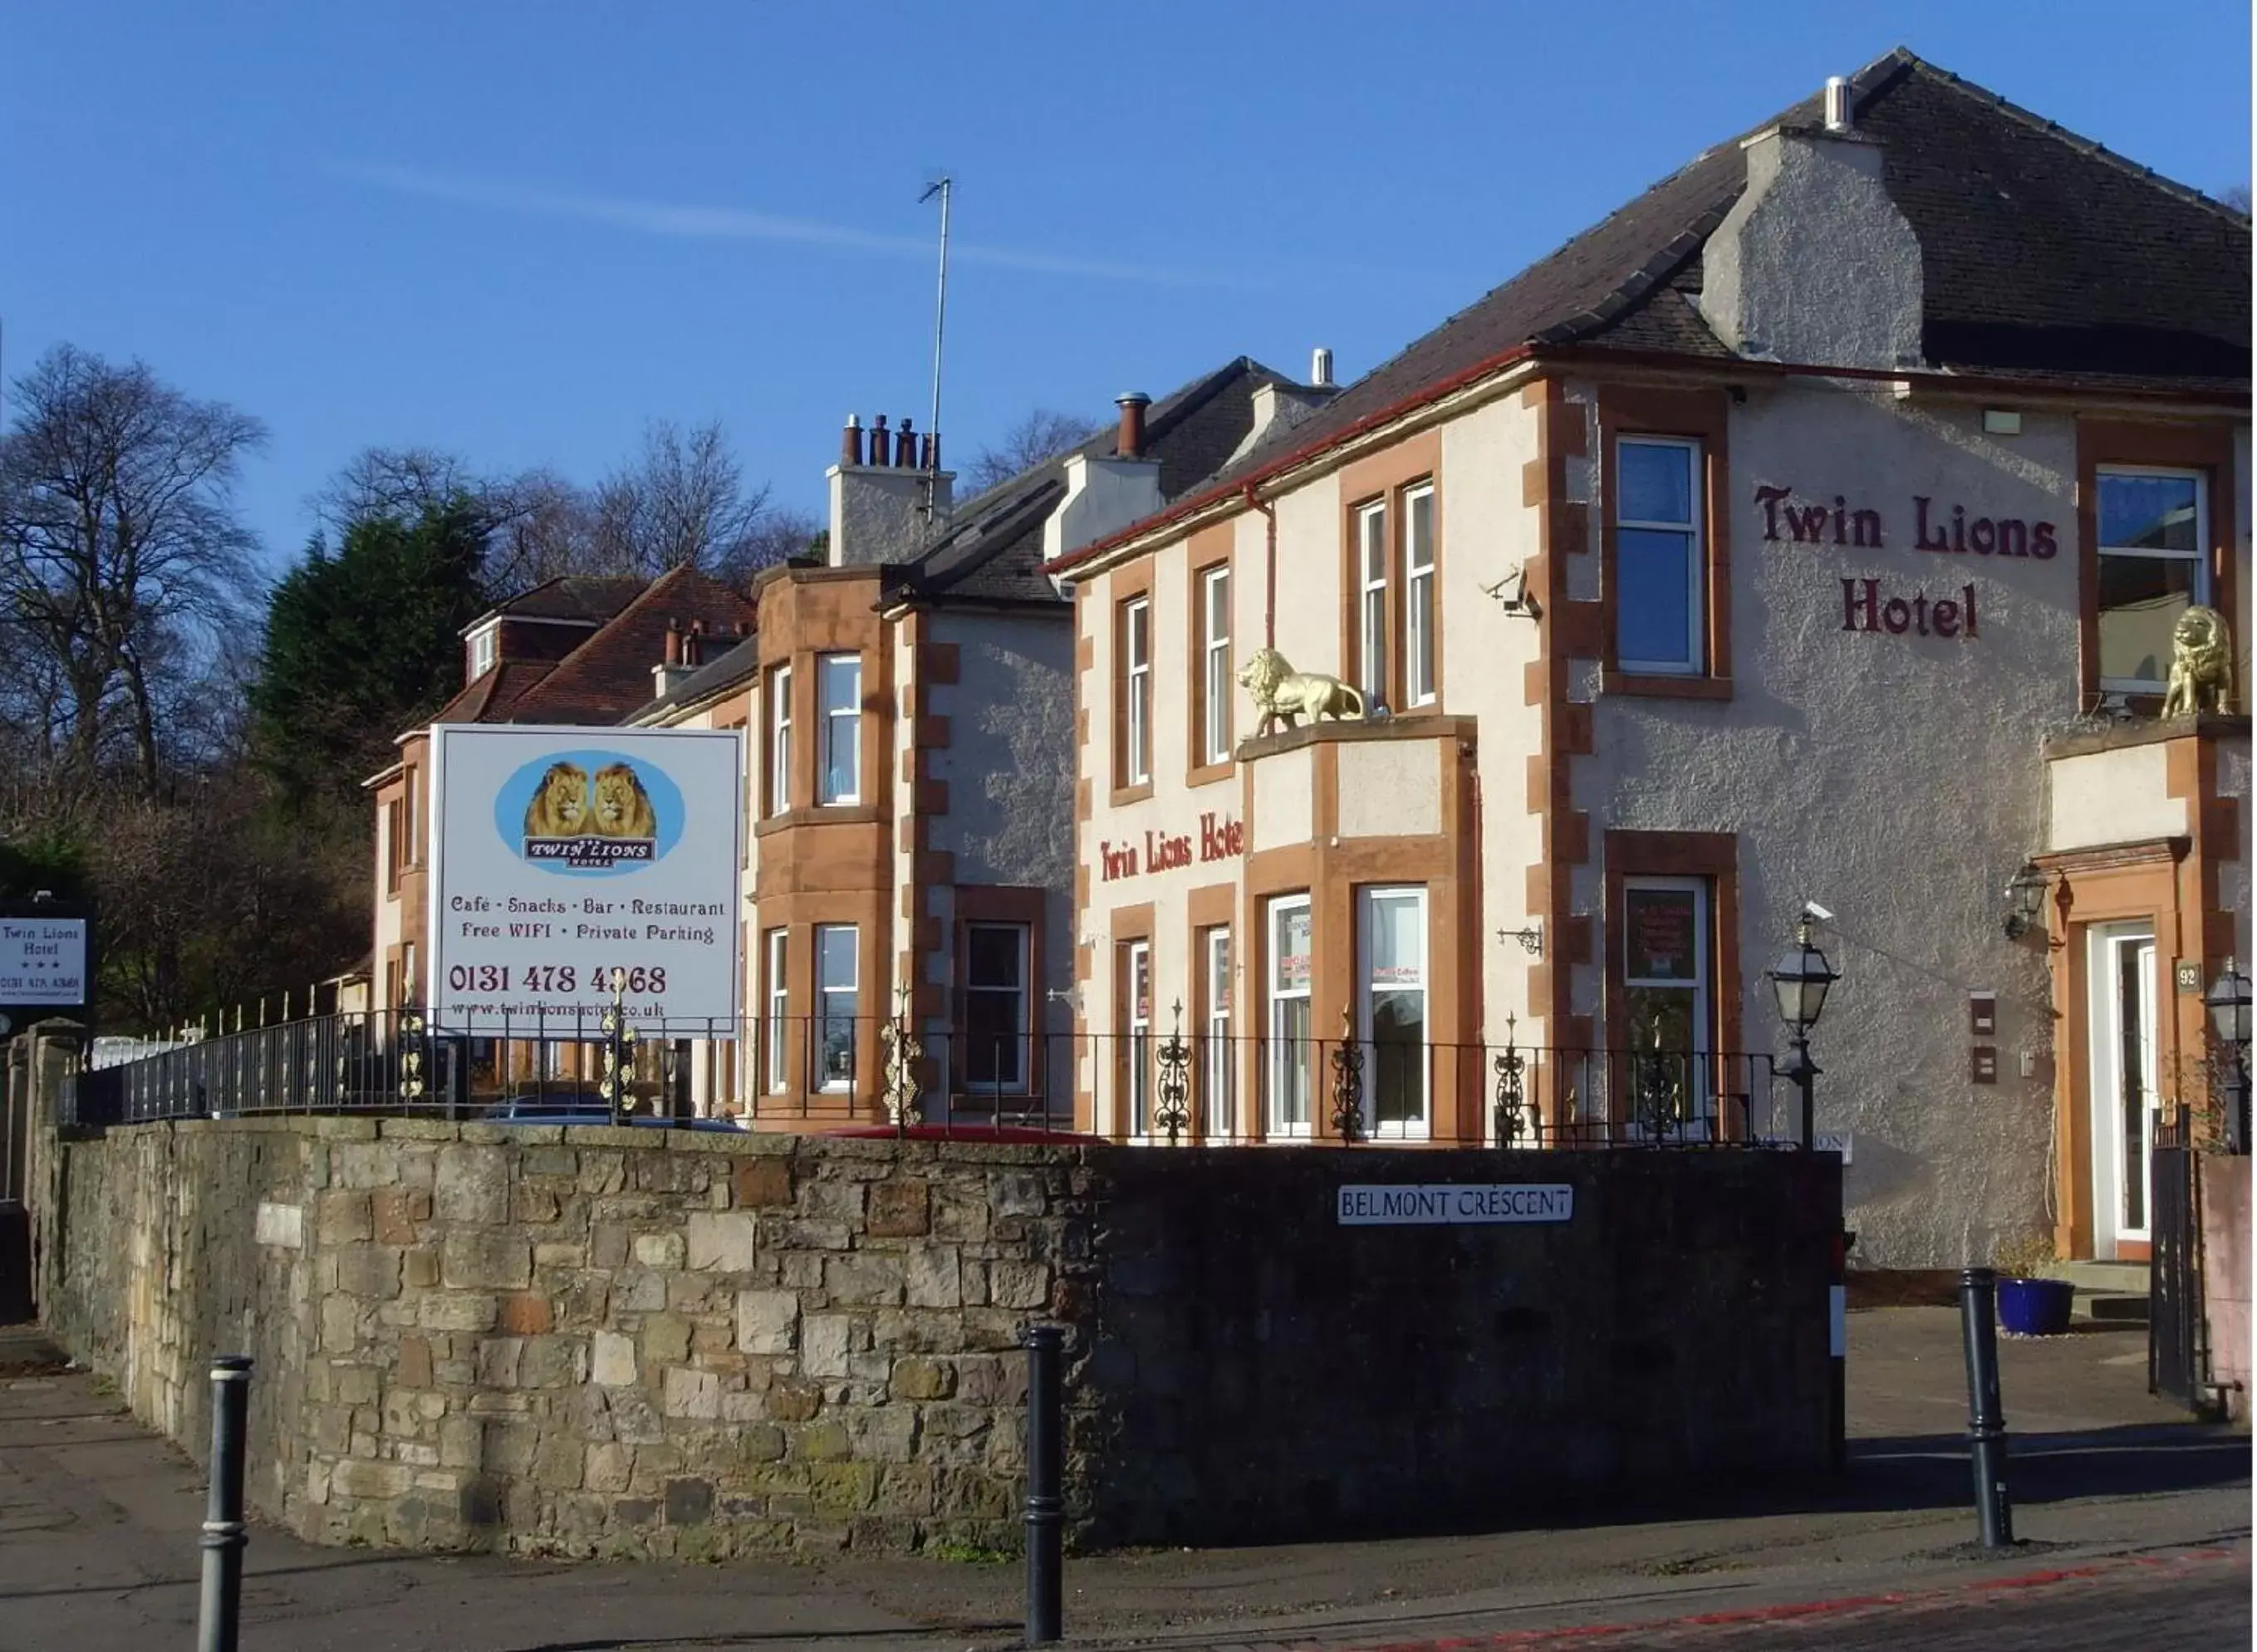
(399, 483)
(2236, 196)
(121, 555)
(1044, 434)
(683, 500)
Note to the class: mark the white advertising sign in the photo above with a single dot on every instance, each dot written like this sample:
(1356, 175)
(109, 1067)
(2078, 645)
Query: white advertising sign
(1384, 1204)
(43, 961)
(561, 856)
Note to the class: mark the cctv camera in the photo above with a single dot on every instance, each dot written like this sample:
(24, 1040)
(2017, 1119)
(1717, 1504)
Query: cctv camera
(1812, 910)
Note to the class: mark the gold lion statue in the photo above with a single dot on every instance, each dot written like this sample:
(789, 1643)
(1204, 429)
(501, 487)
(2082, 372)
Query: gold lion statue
(622, 806)
(1282, 694)
(560, 803)
(2201, 664)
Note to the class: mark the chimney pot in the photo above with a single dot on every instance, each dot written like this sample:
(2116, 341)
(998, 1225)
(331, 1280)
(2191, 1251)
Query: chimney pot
(905, 447)
(1837, 103)
(673, 643)
(849, 442)
(1321, 367)
(1130, 442)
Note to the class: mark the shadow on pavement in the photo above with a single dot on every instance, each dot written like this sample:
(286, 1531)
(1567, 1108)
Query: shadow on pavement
(2132, 1460)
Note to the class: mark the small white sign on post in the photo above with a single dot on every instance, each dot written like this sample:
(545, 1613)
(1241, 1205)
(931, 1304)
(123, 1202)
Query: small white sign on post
(1437, 1204)
(43, 961)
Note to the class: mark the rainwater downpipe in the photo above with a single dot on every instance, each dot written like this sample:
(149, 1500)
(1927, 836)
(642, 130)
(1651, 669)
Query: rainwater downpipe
(1270, 568)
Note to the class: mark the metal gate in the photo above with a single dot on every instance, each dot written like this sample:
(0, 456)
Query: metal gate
(2175, 1353)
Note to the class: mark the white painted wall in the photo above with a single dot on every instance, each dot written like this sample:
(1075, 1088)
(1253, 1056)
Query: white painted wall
(1103, 495)
(2118, 796)
(1897, 780)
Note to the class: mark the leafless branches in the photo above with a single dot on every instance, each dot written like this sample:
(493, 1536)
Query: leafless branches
(1044, 434)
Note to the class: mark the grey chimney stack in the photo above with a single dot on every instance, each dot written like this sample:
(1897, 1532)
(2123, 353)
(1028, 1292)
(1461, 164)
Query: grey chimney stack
(1837, 103)
(1130, 443)
(1320, 368)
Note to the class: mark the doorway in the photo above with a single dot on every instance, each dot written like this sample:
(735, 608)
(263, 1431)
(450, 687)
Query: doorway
(2120, 967)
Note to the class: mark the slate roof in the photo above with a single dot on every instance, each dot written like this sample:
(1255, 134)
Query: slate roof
(2045, 257)
(607, 677)
(993, 549)
(590, 597)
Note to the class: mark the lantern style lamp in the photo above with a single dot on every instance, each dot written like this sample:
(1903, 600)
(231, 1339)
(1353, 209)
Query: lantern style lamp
(1799, 982)
(2025, 899)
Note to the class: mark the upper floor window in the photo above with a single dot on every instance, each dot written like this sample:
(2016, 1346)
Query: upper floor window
(1371, 560)
(841, 679)
(1418, 595)
(779, 765)
(1394, 572)
(1134, 681)
(1214, 666)
(484, 646)
(1660, 594)
(2154, 564)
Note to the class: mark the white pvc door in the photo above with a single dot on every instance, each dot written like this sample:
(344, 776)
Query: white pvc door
(2121, 971)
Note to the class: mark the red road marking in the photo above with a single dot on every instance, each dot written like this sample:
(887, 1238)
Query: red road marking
(1802, 1608)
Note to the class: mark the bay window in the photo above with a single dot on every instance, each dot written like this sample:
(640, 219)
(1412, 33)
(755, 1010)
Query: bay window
(777, 1074)
(779, 764)
(837, 958)
(839, 679)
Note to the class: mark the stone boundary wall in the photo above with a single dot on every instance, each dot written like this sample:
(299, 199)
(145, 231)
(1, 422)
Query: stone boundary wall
(600, 1342)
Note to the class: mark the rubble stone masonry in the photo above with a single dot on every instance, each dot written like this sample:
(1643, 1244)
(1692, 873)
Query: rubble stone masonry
(613, 1342)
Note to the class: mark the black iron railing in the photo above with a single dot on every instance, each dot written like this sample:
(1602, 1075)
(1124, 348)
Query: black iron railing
(828, 1071)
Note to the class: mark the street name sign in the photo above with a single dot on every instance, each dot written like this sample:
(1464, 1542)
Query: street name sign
(1438, 1203)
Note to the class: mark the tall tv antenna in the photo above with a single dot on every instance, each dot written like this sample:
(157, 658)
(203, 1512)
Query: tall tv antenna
(944, 187)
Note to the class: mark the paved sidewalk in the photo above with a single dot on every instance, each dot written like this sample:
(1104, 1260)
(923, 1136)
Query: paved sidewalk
(98, 1550)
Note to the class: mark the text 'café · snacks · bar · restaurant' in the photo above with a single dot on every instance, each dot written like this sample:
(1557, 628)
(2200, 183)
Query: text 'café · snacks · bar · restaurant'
(1822, 528)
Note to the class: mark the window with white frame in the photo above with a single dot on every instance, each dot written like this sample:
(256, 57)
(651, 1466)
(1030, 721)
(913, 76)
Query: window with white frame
(485, 644)
(837, 956)
(997, 1025)
(1136, 691)
(1137, 971)
(1292, 1056)
(840, 677)
(1371, 559)
(1660, 580)
(1214, 650)
(1665, 947)
(2154, 564)
(1391, 1008)
(1217, 1084)
(777, 1073)
(779, 739)
(1419, 686)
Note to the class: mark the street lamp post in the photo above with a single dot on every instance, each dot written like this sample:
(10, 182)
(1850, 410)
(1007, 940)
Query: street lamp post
(2227, 1001)
(1798, 982)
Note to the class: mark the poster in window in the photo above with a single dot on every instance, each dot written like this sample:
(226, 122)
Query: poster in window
(1663, 941)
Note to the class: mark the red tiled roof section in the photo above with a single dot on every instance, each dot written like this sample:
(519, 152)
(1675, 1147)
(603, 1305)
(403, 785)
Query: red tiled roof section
(490, 698)
(609, 675)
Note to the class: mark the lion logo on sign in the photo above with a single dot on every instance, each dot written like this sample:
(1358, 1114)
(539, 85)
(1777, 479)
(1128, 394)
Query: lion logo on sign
(622, 806)
(560, 803)
(1282, 694)
(2201, 664)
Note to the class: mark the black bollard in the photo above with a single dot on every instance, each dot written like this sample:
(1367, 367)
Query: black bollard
(223, 1533)
(1986, 1421)
(1046, 1491)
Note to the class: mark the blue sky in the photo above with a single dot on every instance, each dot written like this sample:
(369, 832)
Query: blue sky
(519, 231)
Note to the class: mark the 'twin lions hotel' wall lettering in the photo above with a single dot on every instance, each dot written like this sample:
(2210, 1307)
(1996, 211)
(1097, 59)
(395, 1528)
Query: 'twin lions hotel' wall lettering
(1864, 605)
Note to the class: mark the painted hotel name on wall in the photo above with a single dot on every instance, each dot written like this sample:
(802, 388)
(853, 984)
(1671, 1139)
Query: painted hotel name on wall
(1865, 605)
(1219, 839)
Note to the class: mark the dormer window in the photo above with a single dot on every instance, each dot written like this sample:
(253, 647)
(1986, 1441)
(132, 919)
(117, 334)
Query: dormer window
(485, 644)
